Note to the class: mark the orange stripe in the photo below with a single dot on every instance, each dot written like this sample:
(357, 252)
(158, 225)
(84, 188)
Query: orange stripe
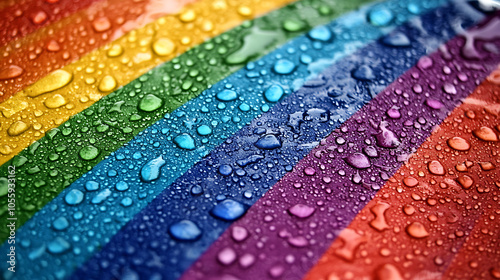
(420, 219)
(57, 45)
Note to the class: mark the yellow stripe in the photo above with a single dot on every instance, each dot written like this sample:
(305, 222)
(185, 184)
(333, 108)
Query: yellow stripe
(46, 104)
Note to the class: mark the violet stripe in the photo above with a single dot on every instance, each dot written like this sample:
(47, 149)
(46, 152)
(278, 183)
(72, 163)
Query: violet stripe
(292, 225)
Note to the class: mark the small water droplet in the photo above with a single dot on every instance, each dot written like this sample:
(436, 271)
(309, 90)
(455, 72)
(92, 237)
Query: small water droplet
(185, 141)
(274, 93)
(150, 103)
(227, 95)
(380, 16)
(74, 197)
(89, 152)
(229, 210)
(268, 142)
(163, 47)
(417, 230)
(436, 168)
(301, 211)
(284, 66)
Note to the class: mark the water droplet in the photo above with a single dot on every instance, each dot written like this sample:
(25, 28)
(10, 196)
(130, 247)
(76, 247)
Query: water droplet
(91, 186)
(486, 134)
(434, 104)
(152, 169)
(101, 196)
(386, 138)
(364, 73)
(108, 83)
(185, 141)
(150, 103)
(424, 62)
(74, 197)
(394, 113)
(101, 24)
(39, 17)
(458, 143)
(320, 33)
(204, 130)
(379, 223)
(54, 101)
(227, 95)
(358, 160)
(465, 181)
(225, 170)
(229, 210)
(274, 93)
(53, 46)
(239, 234)
(388, 272)
(89, 152)
(371, 151)
(226, 256)
(410, 182)
(163, 47)
(185, 230)
(245, 11)
(396, 39)
(268, 142)
(417, 230)
(60, 223)
(301, 211)
(284, 66)
(380, 16)
(487, 166)
(58, 246)
(187, 16)
(294, 25)
(449, 88)
(4, 186)
(121, 186)
(115, 50)
(51, 82)
(436, 168)
(10, 72)
(17, 128)
(298, 241)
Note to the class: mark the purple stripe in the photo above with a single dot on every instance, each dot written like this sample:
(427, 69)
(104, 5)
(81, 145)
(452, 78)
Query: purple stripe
(292, 225)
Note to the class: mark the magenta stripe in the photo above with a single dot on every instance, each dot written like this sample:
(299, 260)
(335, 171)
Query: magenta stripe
(292, 225)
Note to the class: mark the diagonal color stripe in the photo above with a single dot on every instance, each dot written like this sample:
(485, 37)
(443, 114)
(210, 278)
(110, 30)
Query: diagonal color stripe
(49, 102)
(240, 170)
(135, 156)
(24, 17)
(293, 223)
(87, 138)
(57, 45)
(428, 195)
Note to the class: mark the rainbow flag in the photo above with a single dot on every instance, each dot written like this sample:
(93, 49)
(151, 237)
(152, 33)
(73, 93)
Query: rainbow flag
(250, 139)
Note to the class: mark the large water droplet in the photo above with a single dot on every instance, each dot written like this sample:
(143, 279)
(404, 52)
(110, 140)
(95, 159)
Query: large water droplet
(226, 256)
(386, 138)
(17, 128)
(163, 47)
(89, 153)
(380, 16)
(185, 230)
(358, 160)
(55, 101)
(185, 141)
(436, 168)
(51, 82)
(268, 142)
(204, 130)
(101, 196)
(396, 39)
(225, 169)
(239, 234)
(364, 73)
(60, 223)
(58, 246)
(108, 83)
(227, 95)
(320, 33)
(284, 66)
(229, 210)
(301, 211)
(274, 93)
(101, 24)
(458, 143)
(417, 230)
(74, 197)
(486, 134)
(151, 170)
(150, 103)
(10, 72)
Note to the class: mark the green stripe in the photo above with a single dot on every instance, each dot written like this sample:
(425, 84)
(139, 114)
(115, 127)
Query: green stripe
(51, 164)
